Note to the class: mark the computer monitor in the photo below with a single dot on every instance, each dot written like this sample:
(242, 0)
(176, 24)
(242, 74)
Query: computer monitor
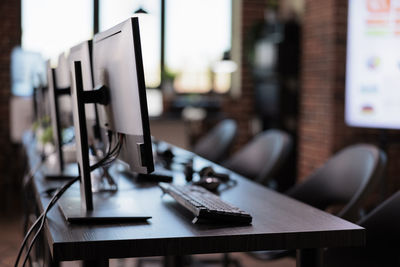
(55, 118)
(57, 168)
(83, 53)
(117, 64)
(28, 77)
(62, 86)
(121, 97)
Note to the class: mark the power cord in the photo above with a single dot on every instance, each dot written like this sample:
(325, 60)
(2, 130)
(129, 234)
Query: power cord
(25, 182)
(28, 177)
(109, 158)
(41, 220)
(111, 155)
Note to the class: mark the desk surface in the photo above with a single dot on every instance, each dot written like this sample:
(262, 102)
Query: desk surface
(278, 223)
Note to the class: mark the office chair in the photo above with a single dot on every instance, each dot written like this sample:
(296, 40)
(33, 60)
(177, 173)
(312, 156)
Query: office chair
(383, 235)
(215, 145)
(262, 158)
(345, 179)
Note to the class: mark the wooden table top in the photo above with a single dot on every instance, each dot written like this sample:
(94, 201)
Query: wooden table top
(278, 223)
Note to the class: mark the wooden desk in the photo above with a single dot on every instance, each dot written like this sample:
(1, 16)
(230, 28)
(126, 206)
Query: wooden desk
(278, 223)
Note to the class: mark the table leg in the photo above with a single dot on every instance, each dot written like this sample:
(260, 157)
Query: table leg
(311, 257)
(95, 263)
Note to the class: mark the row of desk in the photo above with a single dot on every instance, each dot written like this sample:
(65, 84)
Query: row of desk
(279, 222)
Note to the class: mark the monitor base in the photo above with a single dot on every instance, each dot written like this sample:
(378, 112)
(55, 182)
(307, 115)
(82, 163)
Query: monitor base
(108, 208)
(60, 176)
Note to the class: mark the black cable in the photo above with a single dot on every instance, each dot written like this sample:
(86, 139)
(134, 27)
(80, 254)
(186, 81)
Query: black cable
(26, 239)
(108, 159)
(41, 219)
(114, 154)
(33, 171)
(27, 236)
(117, 151)
(53, 201)
(109, 151)
(25, 182)
(110, 156)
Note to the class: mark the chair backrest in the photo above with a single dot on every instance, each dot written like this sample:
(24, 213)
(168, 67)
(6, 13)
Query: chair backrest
(345, 179)
(262, 157)
(383, 235)
(383, 222)
(215, 144)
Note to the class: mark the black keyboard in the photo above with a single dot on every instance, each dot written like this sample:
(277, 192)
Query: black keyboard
(204, 204)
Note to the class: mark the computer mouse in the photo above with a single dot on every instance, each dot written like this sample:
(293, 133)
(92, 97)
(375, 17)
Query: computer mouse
(209, 183)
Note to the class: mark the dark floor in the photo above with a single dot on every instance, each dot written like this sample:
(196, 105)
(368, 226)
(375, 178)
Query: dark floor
(10, 239)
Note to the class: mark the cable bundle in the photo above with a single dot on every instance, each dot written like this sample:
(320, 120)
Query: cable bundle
(109, 158)
(41, 220)
(112, 154)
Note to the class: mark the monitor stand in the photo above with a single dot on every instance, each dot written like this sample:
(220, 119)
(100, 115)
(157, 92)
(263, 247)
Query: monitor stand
(86, 207)
(118, 207)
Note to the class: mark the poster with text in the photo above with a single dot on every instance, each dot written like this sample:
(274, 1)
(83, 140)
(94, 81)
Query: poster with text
(373, 64)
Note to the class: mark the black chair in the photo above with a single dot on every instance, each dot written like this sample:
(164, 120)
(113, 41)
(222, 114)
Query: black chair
(346, 179)
(383, 235)
(215, 145)
(263, 157)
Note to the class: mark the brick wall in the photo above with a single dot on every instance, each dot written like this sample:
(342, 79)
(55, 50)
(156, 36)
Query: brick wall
(10, 36)
(322, 129)
(242, 109)
(318, 80)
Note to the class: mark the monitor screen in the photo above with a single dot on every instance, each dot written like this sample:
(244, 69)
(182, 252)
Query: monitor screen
(117, 65)
(373, 64)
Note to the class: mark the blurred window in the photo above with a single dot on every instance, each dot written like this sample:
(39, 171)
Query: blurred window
(51, 27)
(113, 12)
(198, 32)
